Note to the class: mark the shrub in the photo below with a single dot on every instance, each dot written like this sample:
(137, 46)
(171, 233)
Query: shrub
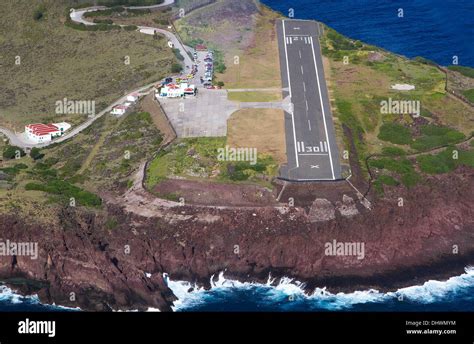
(39, 13)
(11, 152)
(178, 55)
(103, 21)
(130, 27)
(36, 154)
(176, 68)
(66, 190)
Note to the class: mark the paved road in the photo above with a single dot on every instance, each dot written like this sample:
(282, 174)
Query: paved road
(311, 147)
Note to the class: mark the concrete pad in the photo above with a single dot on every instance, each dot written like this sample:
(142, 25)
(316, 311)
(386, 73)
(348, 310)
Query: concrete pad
(204, 115)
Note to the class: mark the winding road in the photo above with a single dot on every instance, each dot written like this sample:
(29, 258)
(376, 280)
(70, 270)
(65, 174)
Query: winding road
(78, 17)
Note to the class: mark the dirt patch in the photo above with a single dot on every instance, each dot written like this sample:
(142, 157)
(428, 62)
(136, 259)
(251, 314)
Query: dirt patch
(263, 129)
(208, 193)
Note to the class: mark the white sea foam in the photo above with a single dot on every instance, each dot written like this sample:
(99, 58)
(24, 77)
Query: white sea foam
(9, 296)
(285, 288)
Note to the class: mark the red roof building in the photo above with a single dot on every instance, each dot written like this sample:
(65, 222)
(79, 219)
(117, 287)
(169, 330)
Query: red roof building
(42, 132)
(201, 47)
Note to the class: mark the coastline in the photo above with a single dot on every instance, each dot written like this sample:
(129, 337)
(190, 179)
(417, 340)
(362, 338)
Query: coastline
(193, 244)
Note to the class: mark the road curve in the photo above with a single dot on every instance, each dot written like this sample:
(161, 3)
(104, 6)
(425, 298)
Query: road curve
(78, 17)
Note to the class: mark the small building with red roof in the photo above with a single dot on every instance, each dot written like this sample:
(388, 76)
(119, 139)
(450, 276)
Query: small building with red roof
(40, 133)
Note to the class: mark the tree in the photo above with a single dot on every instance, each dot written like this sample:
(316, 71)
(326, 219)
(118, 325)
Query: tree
(36, 154)
(220, 83)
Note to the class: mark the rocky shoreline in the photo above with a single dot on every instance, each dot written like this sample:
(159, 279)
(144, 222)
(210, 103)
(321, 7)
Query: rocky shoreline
(84, 262)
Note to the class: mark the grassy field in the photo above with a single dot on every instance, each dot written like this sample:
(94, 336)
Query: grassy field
(254, 96)
(59, 62)
(360, 79)
(263, 129)
(198, 159)
(259, 64)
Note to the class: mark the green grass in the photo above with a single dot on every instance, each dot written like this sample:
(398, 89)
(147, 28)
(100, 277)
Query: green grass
(402, 166)
(433, 136)
(466, 71)
(445, 161)
(388, 180)
(393, 151)
(197, 158)
(469, 94)
(253, 96)
(395, 133)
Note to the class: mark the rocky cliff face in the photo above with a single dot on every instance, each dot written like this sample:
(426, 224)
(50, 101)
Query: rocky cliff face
(86, 262)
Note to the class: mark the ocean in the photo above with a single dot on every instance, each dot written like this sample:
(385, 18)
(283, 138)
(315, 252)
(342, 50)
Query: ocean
(434, 29)
(455, 294)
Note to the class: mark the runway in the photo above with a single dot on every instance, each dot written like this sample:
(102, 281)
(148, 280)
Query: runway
(310, 139)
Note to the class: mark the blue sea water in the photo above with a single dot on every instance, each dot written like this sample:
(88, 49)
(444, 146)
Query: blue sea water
(434, 29)
(455, 294)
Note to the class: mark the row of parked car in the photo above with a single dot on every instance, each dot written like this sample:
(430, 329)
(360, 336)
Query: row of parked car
(209, 68)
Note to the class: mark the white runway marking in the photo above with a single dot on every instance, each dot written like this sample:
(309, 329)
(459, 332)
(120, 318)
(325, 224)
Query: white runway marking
(304, 86)
(289, 90)
(309, 125)
(313, 153)
(322, 106)
(302, 70)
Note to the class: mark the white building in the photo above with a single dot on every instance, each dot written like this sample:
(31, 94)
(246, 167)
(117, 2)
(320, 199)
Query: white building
(132, 97)
(40, 133)
(176, 91)
(119, 110)
(62, 126)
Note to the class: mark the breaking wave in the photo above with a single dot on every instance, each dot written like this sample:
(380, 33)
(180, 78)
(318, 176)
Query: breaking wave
(10, 301)
(454, 294)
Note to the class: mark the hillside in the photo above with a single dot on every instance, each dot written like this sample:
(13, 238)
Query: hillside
(57, 62)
